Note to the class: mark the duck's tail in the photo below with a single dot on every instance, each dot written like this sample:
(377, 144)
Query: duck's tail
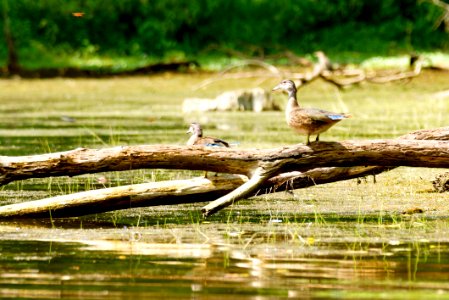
(337, 117)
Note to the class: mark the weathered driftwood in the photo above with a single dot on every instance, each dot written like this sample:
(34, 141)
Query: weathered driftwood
(382, 153)
(342, 78)
(299, 157)
(264, 165)
(323, 69)
(137, 195)
(173, 192)
(297, 180)
(237, 161)
(225, 160)
(432, 134)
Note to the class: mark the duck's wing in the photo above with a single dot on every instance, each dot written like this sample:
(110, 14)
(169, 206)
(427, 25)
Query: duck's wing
(324, 115)
(213, 142)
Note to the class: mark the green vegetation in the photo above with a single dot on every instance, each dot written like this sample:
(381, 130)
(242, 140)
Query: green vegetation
(127, 34)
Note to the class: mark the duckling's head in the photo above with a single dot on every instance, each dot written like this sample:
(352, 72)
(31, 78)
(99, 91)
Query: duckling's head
(286, 85)
(195, 129)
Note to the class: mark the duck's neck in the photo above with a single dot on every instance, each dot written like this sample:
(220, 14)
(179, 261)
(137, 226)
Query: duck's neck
(292, 101)
(197, 134)
(292, 104)
(192, 140)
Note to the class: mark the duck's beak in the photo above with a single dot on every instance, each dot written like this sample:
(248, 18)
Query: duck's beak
(190, 130)
(278, 87)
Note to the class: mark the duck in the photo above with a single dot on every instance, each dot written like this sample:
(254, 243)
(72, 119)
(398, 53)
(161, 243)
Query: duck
(197, 138)
(307, 121)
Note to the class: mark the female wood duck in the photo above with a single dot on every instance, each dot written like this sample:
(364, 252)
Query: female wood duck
(197, 138)
(307, 121)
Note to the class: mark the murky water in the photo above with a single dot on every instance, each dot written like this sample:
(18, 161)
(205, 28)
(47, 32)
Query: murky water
(242, 261)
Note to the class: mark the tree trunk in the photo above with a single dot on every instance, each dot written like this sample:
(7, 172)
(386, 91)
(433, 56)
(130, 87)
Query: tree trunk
(12, 66)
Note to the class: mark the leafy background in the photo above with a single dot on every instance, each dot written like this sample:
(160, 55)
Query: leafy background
(46, 31)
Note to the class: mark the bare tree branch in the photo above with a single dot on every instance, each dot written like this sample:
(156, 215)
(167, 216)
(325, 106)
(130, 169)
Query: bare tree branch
(444, 18)
(274, 72)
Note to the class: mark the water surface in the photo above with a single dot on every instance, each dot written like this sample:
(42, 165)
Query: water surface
(210, 261)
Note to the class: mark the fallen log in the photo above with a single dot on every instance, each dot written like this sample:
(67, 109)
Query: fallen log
(342, 78)
(405, 152)
(338, 76)
(174, 192)
(265, 165)
(97, 160)
(130, 196)
(387, 153)
(431, 134)
(83, 161)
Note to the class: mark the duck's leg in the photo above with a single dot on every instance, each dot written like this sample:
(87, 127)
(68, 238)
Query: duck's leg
(308, 139)
(317, 138)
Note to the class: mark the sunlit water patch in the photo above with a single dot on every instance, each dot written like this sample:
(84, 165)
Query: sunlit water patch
(207, 263)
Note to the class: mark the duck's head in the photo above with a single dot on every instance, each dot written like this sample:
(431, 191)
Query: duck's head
(286, 85)
(195, 128)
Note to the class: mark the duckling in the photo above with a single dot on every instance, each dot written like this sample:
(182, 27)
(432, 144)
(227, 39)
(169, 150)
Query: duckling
(198, 139)
(307, 121)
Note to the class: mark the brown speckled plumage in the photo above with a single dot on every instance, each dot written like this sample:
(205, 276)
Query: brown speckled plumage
(307, 121)
(198, 139)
